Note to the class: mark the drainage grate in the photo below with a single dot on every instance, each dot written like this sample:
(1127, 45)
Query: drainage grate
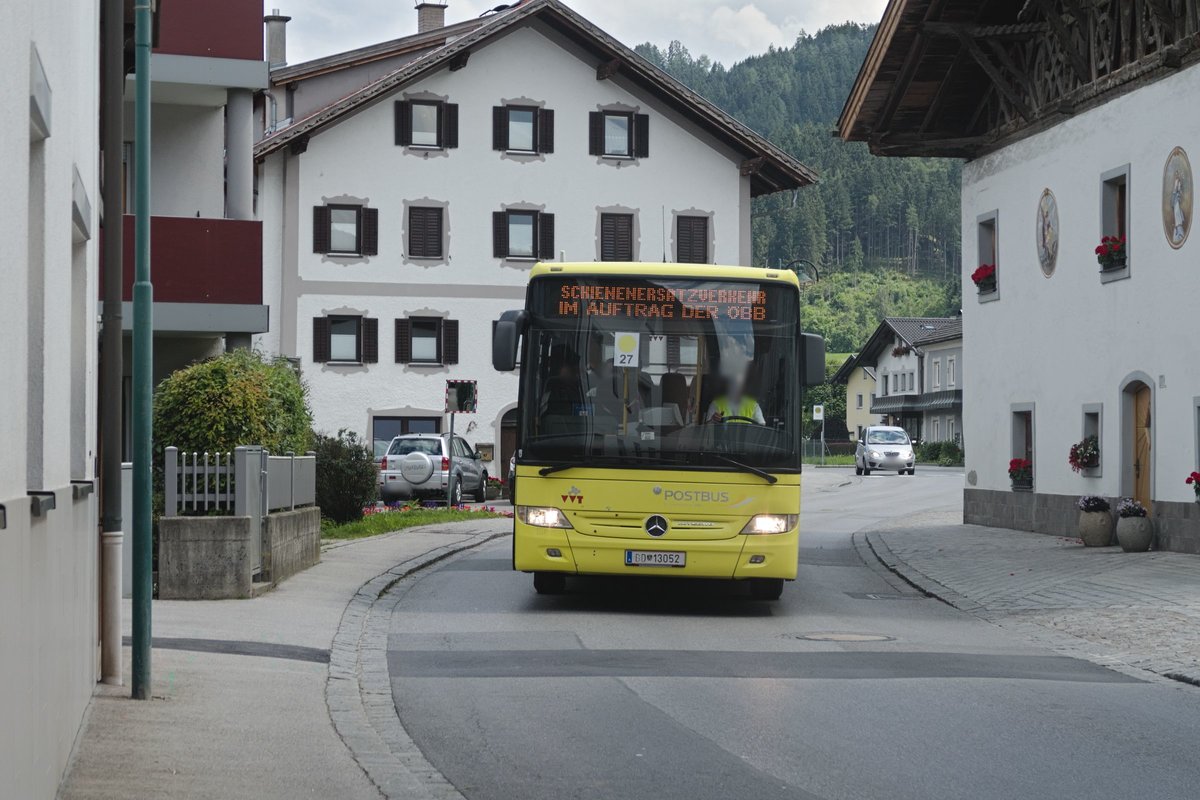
(842, 637)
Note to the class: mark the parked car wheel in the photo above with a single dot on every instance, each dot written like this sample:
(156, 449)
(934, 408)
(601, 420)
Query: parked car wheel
(912, 471)
(481, 493)
(456, 492)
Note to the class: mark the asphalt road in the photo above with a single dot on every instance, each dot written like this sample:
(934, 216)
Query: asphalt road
(659, 689)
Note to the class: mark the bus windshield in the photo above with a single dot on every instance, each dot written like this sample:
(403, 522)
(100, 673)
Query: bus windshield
(661, 372)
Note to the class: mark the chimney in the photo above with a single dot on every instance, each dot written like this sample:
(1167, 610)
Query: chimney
(430, 16)
(276, 39)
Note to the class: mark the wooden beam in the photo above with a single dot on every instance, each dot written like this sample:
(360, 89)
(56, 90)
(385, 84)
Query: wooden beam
(1162, 11)
(1063, 34)
(753, 166)
(459, 60)
(939, 98)
(998, 80)
(298, 145)
(607, 69)
(1019, 31)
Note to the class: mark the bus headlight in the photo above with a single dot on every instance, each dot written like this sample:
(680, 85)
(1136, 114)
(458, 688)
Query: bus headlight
(542, 517)
(770, 523)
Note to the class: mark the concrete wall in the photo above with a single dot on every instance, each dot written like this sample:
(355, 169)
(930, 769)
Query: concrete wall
(291, 543)
(1071, 340)
(48, 564)
(686, 171)
(188, 152)
(204, 558)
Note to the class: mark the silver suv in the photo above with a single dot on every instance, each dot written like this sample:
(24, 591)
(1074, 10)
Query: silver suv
(417, 467)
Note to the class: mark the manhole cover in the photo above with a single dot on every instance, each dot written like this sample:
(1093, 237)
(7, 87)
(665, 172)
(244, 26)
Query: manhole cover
(843, 637)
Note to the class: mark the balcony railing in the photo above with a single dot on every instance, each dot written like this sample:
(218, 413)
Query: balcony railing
(197, 260)
(212, 28)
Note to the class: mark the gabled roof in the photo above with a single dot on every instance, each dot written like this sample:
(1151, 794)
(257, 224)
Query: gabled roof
(845, 370)
(770, 168)
(914, 331)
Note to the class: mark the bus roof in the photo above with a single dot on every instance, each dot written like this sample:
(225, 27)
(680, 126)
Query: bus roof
(660, 270)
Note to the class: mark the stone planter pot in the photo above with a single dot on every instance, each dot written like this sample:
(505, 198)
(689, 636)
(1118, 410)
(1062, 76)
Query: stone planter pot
(493, 492)
(1022, 484)
(1135, 534)
(1096, 528)
(986, 287)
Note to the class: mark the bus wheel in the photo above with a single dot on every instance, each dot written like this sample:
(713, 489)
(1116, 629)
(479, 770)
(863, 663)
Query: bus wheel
(766, 588)
(550, 582)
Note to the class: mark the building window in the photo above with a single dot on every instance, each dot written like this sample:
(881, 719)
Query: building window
(384, 429)
(950, 362)
(1092, 415)
(936, 430)
(951, 432)
(1022, 433)
(525, 235)
(858, 401)
(988, 242)
(619, 134)
(883, 385)
(691, 240)
(426, 340)
(523, 129)
(937, 373)
(1114, 215)
(345, 230)
(345, 340)
(616, 237)
(428, 124)
(425, 230)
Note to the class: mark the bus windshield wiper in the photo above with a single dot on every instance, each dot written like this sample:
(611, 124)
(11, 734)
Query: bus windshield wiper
(553, 468)
(612, 460)
(768, 477)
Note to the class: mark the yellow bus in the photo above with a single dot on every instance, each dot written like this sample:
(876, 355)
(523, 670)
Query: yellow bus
(659, 423)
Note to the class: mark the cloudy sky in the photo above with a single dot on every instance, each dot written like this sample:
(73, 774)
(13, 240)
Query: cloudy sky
(727, 30)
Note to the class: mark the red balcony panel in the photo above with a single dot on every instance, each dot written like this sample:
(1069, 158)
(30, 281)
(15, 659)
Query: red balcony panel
(212, 28)
(197, 260)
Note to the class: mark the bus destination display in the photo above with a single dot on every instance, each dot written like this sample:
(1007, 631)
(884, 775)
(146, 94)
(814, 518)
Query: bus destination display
(642, 301)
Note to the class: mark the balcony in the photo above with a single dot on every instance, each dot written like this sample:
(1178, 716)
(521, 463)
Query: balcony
(212, 29)
(207, 274)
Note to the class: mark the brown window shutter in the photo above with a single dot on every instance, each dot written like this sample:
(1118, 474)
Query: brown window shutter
(416, 233)
(500, 234)
(403, 123)
(673, 355)
(370, 231)
(450, 125)
(596, 133)
(641, 135)
(545, 236)
(546, 131)
(321, 222)
(403, 341)
(624, 237)
(691, 240)
(683, 239)
(499, 128)
(370, 340)
(424, 232)
(449, 341)
(608, 237)
(321, 352)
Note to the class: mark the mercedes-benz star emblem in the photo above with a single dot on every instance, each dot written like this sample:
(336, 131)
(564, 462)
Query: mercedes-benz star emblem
(656, 525)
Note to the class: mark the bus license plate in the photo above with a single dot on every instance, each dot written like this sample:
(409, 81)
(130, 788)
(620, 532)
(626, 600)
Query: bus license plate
(654, 558)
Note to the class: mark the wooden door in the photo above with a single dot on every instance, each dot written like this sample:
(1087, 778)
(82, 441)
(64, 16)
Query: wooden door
(1141, 446)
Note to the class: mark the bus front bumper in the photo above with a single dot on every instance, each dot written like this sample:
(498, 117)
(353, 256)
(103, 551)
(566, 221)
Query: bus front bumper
(739, 557)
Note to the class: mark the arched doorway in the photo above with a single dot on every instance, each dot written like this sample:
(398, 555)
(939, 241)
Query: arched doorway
(1137, 440)
(508, 439)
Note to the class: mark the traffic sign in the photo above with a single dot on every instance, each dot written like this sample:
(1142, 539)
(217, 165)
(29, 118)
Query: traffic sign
(819, 413)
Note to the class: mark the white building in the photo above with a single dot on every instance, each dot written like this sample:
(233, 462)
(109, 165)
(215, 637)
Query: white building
(49, 539)
(1093, 141)
(410, 186)
(916, 368)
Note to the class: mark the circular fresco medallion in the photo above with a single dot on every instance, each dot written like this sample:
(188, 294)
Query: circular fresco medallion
(1177, 198)
(1047, 232)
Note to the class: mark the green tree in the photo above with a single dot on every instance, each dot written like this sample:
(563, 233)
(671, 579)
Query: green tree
(238, 398)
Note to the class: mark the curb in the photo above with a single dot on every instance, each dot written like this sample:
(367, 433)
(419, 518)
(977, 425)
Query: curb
(1062, 643)
(358, 691)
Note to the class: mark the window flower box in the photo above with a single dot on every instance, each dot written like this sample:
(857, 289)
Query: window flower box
(984, 278)
(1085, 454)
(1020, 472)
(1112, 253)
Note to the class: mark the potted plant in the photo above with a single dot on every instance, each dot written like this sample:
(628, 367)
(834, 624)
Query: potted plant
(1111, 253)
(901, 350)
(1020, 471)
(1095, 521)
(985, 278)
(1085, 454)
(1135, 530)
(1193, 480)
(493, 488)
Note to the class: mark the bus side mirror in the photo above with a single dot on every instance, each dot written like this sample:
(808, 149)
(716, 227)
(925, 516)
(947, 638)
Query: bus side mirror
(505, 339)
(812, 359)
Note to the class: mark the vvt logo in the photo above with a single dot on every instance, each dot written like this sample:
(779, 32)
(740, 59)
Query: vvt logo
(574, 496)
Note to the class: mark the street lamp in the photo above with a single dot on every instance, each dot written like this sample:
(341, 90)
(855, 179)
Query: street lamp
(811, 272)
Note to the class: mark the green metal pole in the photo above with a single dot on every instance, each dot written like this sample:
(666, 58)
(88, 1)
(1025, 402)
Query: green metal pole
(143, 357)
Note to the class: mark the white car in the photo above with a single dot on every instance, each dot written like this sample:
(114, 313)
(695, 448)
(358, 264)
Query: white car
(884, 448)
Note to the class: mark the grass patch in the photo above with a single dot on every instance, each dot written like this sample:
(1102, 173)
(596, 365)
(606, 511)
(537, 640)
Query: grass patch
(389, 521)
(831, 461)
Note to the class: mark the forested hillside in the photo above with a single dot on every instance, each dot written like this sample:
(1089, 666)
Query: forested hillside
(867, 216)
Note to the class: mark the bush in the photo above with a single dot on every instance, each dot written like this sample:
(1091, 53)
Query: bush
(238, 398)
(346, 476)
(951, 455)
(929, 452)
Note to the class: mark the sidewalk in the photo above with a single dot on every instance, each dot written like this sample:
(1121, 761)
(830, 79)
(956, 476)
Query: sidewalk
(239, 686)
(1139, 610)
